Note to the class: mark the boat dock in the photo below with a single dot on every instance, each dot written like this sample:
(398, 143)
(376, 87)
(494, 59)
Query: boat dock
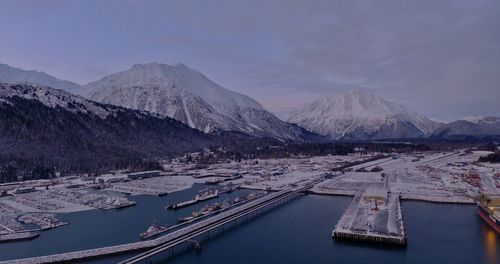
(373, 216)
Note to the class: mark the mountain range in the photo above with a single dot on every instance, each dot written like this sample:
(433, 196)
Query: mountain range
(10, 74)
(476, 126)
(186, 95)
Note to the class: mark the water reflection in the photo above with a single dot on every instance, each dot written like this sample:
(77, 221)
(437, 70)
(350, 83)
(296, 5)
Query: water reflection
(491, 244)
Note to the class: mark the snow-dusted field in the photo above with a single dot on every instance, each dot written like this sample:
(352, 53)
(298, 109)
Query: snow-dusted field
(157, 185)
(437, 177)
(363, 217)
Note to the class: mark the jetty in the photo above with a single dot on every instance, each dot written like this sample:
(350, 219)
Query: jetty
(373, 216)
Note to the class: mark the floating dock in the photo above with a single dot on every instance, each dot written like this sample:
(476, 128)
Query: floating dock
(373, 216)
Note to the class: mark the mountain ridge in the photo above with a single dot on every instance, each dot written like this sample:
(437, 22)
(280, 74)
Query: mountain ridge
(42, 126)
(9, 74)
(476, 126)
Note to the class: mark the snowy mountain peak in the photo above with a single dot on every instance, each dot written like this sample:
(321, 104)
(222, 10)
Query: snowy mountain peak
(13, 75)
(52, 98)
(357, 103)
(360, 115)
(172, 77)
(187, 95)
(482, 119)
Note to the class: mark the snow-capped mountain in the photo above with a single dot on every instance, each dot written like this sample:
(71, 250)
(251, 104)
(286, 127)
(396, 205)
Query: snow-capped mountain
(474, 126)
(482, 119)
(185, 94)
(52, 98)
(357, 115)
(10, 74)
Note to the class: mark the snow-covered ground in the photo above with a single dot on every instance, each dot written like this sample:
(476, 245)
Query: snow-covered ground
(364, 217)
(437, 177)
(157, 185)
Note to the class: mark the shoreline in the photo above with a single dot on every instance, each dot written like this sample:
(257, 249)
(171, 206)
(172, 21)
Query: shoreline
(402, 197)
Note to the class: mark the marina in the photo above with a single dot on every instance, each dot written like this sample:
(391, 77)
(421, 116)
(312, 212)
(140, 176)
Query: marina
(322, 210)
(172, 239)
(42, 220)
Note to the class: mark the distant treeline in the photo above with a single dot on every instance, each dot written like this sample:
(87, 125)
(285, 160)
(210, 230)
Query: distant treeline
(493, 157)
(287, 150)
(12, 173)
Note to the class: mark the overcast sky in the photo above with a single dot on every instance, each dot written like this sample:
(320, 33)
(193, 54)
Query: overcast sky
(440, 58)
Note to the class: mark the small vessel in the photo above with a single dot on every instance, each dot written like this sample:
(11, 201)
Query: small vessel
(216, 207)
(181, 204)
(185, 219)
(213, 181)
(207, 195)
(253, 195)
(228, 188)
(488, 207)
(226, 204)
(240, 199)
(153, 230)
(206, 210)
(202, 195)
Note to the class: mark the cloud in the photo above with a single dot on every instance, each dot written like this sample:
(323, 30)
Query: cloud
(441, 58)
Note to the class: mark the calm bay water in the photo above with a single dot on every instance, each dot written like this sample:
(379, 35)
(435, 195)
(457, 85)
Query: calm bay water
(297, 232)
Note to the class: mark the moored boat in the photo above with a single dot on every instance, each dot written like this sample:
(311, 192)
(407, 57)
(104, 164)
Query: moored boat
(207, 195)
(488, 207)
(153, 230)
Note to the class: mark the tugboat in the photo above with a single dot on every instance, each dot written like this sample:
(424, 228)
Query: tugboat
(488, 207)
(153, 230)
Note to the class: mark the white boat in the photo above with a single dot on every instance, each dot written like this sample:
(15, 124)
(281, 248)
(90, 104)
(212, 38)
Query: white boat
(153, 230)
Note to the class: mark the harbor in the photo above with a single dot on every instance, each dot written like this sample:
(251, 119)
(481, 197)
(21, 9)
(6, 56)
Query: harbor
(425, 246)
(374, 213)
(311, 230)
(175, 238)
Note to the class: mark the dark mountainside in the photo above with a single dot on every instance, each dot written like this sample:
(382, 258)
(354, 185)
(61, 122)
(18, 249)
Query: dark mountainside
(36, 137)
